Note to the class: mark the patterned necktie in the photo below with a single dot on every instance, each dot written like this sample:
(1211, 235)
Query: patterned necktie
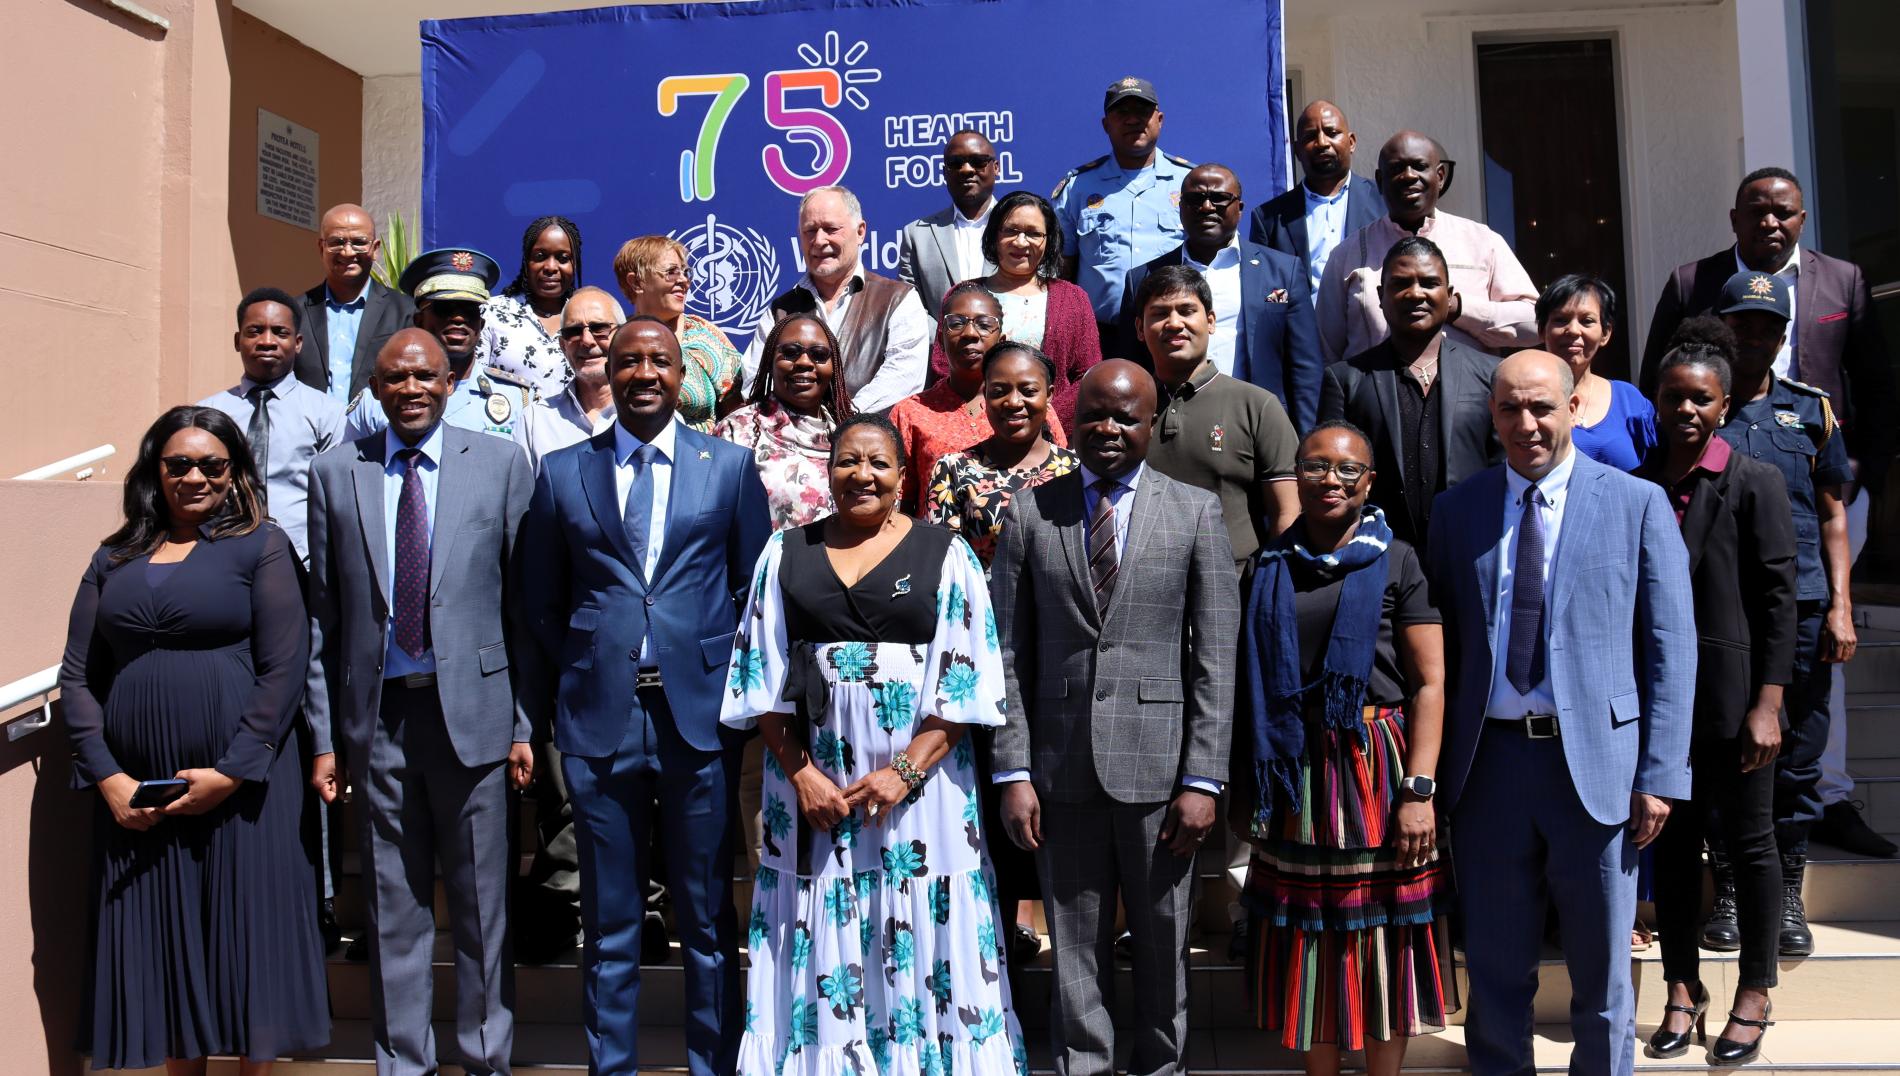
(639, 513)
(412, 559)
(258, 433)
(1524, 664)
(1103, 560)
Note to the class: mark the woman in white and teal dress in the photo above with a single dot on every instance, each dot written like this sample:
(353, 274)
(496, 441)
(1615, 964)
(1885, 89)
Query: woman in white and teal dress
(866, 653)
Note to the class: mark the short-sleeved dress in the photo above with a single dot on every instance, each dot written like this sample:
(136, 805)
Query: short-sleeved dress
(874, 948)
(1345, 942)
(1625, 433)
(204, 928)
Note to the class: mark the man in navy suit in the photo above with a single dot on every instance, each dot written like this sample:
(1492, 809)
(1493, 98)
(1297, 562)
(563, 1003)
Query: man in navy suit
(635, 554)
(1330, 204)
(1571, 645)
(1264, 332)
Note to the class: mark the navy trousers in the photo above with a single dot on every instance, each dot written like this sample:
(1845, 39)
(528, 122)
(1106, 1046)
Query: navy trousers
(1523, 838)
(1805, 701)
(613, 801)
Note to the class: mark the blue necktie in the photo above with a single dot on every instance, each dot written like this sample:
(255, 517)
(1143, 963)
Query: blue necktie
(639, 514)
(1524, 664)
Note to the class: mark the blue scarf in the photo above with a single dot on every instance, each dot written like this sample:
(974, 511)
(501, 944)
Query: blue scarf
(1270, 654)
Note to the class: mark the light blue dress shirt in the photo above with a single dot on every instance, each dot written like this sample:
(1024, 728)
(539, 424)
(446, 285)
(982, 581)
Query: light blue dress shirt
(1113, 221)
(625, 445)
(1505, 702)
(303, 422)
(1325, 229)
(342, 321)
(467, 409)
(396, 661)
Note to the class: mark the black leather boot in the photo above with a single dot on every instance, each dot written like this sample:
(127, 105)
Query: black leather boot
(1796, 938)
(1721, 932)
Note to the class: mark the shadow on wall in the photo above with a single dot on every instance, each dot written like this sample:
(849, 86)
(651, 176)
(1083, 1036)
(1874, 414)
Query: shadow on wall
(58, 867)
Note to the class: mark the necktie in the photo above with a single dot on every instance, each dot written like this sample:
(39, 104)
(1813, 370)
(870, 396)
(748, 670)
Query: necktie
(639, 513)
(258, 432)
(412, 560)
(1103, 560)
(1524, 664)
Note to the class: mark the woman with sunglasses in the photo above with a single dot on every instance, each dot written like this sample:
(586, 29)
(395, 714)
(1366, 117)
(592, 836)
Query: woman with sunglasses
(653, 274)
(185, 661)
(951, 415)
(1024, 241)
(787, 424)
(1339, 713)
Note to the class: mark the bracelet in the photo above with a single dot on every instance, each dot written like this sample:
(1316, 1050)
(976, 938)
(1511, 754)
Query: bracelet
(906, 769)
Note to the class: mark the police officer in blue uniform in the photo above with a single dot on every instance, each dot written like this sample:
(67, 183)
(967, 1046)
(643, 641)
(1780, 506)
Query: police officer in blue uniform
(449, 287)
(1121, 210)
(1792, 426)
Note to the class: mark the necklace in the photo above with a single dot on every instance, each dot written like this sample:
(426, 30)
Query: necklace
(1424, 374)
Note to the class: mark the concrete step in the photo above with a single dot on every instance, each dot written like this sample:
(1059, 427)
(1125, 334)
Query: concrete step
(1873, 727)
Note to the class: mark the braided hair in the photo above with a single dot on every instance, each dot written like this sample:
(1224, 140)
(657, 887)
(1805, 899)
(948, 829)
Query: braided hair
(521, 285)
(840, 401)
(1705, 343)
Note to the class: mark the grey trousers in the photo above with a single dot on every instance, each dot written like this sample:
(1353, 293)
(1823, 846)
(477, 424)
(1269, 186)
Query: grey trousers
(421, 806)
(1093, 852)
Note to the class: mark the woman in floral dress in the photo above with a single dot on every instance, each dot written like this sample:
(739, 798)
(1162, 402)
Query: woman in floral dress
(521, 327)
(868, 650)
(795, 403)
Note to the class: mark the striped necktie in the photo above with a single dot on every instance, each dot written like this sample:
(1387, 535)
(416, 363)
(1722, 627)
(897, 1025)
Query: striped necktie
(1103, 560)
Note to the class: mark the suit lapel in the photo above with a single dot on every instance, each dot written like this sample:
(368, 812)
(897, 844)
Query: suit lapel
(597, 481)
(1385, 386)
(1804, 285)
(1488, 531)
(692, 474)
(316, 324)
(1296, 220)
(1699, 518)
(452, 491)
(368, 476)
(945, 236)
(1072, 541)
(376, 307)
(1147, 509)
(1586, 490)
(1253, 292)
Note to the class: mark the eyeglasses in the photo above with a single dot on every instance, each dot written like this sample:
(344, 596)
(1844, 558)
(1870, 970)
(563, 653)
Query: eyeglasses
(1023, 233)
(978, 161)
(593, 328)
(1211, 199)
(674, 274)
(983, 322)
(212, 467)
(337, 244)
(1311, 470)
(817, 353)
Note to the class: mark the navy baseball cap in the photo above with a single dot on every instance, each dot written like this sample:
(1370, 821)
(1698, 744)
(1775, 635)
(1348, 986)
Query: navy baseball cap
(1750, 290)
(1123, 89)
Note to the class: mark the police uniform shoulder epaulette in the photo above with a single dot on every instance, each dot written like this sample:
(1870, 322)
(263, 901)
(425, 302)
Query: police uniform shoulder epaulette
(1076, 171)
(506, 378)
(1801, 387)
(1828, 423)
(1182, 161)
(355, 401)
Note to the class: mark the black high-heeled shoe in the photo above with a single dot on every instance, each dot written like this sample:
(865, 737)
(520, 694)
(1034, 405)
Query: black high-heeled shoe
(1727, 1052)
(1666, 1043)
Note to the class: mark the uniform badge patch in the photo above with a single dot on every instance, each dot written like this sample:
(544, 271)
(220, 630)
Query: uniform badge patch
(498, 408)
(1790, 420)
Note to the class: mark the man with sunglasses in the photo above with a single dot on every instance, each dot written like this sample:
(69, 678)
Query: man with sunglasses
(586, 406)
(449, 287)
(1492, 308)
(350, 315)
(946, 248)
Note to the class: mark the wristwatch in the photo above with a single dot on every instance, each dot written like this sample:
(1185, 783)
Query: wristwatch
(1419, 786)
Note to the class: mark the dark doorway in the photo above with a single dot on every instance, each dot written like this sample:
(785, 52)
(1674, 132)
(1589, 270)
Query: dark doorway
(1553, 183)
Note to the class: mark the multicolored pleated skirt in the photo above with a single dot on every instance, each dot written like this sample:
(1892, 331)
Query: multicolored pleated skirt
(1345, 944)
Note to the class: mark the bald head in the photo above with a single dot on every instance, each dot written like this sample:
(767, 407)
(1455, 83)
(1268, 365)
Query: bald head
(1411, 177)
(412, 342)
(1114, 414)
(412, 381)
(1324, 143)
(1533, 407)
(346, 240)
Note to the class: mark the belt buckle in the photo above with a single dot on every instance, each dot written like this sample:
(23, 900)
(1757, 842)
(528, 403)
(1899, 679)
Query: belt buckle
(416, 680)
(1540, 726)
(645, 679)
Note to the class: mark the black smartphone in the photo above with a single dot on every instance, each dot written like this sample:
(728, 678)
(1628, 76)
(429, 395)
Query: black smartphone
(159, 793)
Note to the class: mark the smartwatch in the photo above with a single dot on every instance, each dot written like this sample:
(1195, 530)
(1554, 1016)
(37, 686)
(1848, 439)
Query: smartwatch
(1419, 786)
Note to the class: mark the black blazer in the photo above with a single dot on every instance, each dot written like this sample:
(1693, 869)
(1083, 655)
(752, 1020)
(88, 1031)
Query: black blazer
(1281, 222)
(1742, 571)
(1364, 390)
(1841, 350)
(385, 312)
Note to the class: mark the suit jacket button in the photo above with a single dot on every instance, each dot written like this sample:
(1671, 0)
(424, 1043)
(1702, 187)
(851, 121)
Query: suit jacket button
(1103, 648)
(1101, 695)
(650, 599)
(634, 653)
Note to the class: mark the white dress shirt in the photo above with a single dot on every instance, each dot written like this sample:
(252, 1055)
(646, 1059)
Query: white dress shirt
(396, 660)
(1505, 702)
(1785, 365)
(968, 233)
(906, 347)
(1223, 279)
(557, 422)
(1325, 229)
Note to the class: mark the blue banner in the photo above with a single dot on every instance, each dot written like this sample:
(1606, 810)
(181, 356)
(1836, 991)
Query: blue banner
(708, 121)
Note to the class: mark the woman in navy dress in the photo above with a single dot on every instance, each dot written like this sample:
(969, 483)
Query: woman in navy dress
(185, 657)
(1616, 426)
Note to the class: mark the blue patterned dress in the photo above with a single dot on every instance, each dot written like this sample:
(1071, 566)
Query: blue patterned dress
(874, 948)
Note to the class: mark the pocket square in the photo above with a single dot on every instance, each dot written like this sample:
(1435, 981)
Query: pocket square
(1836, 316)
(1277, 295)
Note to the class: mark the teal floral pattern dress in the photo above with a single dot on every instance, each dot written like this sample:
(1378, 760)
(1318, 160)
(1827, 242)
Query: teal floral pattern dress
(874, 949)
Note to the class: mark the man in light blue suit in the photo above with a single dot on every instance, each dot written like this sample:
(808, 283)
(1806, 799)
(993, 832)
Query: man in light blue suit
(636, 551)
(1570, 640)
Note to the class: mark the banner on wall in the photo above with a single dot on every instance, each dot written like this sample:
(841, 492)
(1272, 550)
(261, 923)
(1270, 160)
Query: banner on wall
(707, 122)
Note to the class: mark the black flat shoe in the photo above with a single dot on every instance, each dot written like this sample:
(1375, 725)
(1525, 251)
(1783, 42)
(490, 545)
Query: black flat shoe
(1728, 1052)
(1665, 1043)
(1024, 945)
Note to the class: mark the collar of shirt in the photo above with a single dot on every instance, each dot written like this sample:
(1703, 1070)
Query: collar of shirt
(1554, 485)
(626, 444)
(958, 220)
(1130, 481)
(851, 287)
(430, 447)
(1313, 199)
(1225, 258)
(1714, 458)
(1791, 268)
(330, 300)
(1203, 375)
(280, 386)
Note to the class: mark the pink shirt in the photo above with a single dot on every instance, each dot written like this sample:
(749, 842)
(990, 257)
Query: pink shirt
(1497, 293)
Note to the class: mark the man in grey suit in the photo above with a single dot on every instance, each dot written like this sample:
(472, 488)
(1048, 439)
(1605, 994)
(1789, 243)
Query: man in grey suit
(1118, 610)
(1571, 645)
(946, 248)
(411, 529)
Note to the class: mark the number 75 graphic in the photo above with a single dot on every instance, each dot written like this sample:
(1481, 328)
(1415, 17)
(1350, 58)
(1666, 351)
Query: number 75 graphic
(830, 143)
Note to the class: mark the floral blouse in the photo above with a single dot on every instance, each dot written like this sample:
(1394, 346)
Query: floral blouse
(712, 365)
(514, 342)
(937, 422)
(793, 454)
(969, 495)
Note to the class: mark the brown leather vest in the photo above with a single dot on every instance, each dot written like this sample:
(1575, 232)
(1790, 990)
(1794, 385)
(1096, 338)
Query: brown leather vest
(865, 330)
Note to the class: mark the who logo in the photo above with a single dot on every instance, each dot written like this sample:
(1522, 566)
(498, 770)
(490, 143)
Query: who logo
(735, 274)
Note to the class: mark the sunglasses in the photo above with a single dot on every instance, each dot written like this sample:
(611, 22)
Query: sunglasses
(955, 161)
(1211, 199)
(594, 328)
(816, 352)
(212, 467)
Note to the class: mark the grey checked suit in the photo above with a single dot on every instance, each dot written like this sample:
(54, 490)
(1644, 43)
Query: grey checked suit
(927, 258)
(1108, 714)
(428, 763)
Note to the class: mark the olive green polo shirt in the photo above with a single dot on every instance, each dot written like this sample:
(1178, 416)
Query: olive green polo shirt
(1230, 438)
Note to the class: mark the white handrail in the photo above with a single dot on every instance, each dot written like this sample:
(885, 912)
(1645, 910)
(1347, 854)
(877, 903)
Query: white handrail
(40, 685)
(70, 463)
